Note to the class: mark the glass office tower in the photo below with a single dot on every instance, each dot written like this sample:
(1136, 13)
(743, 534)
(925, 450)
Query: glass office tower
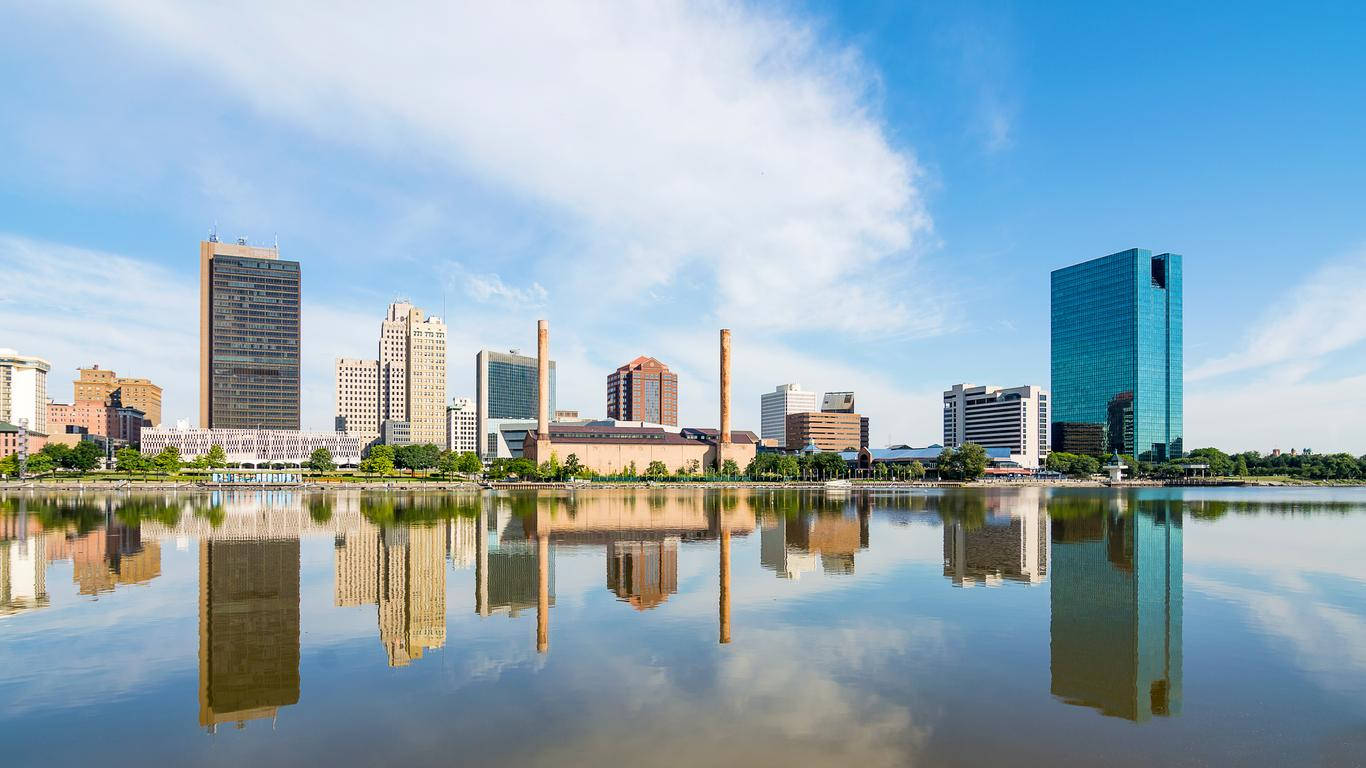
(505, 387)
(1117, 356)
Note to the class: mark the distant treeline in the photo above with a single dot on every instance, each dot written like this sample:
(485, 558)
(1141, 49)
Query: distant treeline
(1307, 466)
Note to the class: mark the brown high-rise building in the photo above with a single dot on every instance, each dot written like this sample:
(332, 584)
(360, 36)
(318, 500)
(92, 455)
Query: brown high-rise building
(829, 431)
(97, 384)
(643, 390)
(249, 349)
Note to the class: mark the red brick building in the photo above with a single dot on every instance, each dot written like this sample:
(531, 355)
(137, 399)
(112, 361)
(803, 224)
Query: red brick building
(643, 390)
(107, 418)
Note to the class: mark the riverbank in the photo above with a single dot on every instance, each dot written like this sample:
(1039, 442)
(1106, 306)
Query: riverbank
(409, 485)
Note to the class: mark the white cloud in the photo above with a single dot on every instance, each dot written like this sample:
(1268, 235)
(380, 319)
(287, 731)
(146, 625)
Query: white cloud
(1277, 412)
(77, 307)
(491, 288)
(678, 139)
(1324, 314)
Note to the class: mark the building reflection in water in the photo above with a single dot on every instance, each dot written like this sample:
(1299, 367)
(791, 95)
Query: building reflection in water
(1010, 543)
(641, 535)
(402, 571)
(112, 555)
(1116, 603)
(248, 629)
(23, 564)
(793, 544)
(642, 572)
(506, 563)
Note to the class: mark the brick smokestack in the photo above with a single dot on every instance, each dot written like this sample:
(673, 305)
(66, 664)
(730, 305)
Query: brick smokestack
(542, 381)
(725, 386)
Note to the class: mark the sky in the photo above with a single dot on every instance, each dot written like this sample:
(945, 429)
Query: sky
(871, 196)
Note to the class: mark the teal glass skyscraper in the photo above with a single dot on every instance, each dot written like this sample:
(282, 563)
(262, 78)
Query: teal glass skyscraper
(1117, 356)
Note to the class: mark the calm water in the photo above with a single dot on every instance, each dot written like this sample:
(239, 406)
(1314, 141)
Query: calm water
(1021, 627)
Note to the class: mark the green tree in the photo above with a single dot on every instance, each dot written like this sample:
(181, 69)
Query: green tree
(1220, 463)
(788, 467)
(448, 463)
(60, 453)
(631, 469)
(729, 468)
(40, 464)
(469, 463)
(215, 458)
(129, 460)
(320, 461)
(523, 468)
(405, 457)
(1074, 465)
(572, 465)
(656, 469)
(85, 456)
(828, 464)
(915, 471)
(970, 461)
(168, 461)
(9, 465)
(378, 461)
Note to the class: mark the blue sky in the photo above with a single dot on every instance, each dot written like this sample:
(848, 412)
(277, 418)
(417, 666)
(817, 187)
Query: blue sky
(871, 196)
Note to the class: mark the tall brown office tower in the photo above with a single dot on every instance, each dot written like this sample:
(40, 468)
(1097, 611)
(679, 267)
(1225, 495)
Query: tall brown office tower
(249, 346)
(643, 390)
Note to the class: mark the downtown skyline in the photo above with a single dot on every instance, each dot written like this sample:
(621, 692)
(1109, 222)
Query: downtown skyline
(964, 182)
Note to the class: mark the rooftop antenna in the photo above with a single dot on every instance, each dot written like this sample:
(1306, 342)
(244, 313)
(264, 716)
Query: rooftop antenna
(213, 233)
(277, 241)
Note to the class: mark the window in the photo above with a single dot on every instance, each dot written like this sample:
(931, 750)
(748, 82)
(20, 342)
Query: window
(1159, 272)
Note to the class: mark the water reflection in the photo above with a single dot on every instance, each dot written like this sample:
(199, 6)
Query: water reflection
(401, 571)
(111, 555)
(1116, 603)
(1010, 542)
(248, 629)
(793, 543)
(790, 615)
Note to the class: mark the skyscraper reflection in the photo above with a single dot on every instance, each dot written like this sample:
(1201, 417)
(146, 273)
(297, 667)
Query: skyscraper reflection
(1009, 544)
(402, 571)
(1116, 601)
(643, 572)
(506, 568)
(23, 565)
(248, 629)
(790, 545)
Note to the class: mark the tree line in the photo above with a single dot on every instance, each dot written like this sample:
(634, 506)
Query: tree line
(1309, 466)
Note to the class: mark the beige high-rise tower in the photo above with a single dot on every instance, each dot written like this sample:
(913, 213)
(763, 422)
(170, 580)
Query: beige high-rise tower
(410, 377)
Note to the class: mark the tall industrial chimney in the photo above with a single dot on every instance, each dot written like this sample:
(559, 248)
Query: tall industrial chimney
(724, 437)
(542, 382)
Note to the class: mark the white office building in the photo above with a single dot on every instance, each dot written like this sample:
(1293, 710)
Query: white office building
(406, 383)
(776, 405)
(462, 426)
(23, 390)
(994, 417)
(254, 447)
(358, 398)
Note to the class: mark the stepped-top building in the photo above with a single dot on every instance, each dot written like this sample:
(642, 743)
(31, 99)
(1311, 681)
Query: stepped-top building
(1116, 355)
(643, 390)
(405, 384)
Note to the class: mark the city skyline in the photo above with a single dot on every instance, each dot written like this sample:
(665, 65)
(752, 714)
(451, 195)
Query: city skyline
(973, 161)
